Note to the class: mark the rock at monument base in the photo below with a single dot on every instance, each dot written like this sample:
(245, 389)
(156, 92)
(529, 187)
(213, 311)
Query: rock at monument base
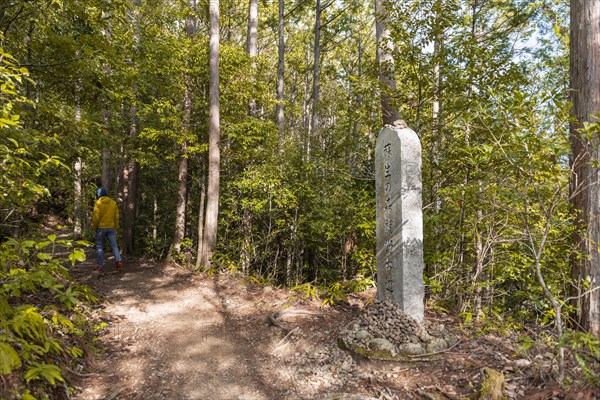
(385, 332)
(437, 345)
(362, 334)
(380, 344)
(411, 349)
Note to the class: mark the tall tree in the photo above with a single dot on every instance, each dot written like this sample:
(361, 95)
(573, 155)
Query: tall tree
(214, 136)
(131, 168)
(252, 44)
(280, 69)
(315, 89)
(385, 59)
(182, 190)
(78, 183)
(585, 182)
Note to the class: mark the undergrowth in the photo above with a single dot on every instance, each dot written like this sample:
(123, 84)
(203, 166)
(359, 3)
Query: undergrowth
(44, 328)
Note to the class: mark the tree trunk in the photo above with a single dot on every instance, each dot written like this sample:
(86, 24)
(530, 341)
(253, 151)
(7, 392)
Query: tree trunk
(252, 45)
(214, 153)
(305, 132)
(130, 190)
(179, 232)
(130, 170)
(315, 91)
(385, 60)
(78, 184)
(201, 224)
(438, 47)
(246, 250)
(154, 216)
(280, 73)
(106, 169)
(585, 182)
(352, 136)
(78, 194)
(182, 190)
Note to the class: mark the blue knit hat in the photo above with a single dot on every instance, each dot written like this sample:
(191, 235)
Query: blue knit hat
(101, 192)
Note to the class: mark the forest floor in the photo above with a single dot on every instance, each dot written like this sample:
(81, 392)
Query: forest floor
(173, 334)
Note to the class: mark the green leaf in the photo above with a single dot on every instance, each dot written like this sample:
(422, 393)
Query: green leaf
(43, 244)
(50, 373)
(9, 359)
(44, 256)
(77, 255)
(76, 352)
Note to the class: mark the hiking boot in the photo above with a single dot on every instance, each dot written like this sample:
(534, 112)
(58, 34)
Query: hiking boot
(98, 268)
(119, 266)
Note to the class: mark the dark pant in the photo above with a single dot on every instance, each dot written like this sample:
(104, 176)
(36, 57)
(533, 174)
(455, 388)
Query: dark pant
(101, 235)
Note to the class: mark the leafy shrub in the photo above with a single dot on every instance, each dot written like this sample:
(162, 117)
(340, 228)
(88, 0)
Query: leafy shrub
(42, 316)
(586, 350)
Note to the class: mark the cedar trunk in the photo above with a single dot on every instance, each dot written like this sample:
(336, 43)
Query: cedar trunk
(585, 182)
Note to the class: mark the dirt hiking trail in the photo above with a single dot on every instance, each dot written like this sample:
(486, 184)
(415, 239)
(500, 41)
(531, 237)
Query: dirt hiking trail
(172, 334)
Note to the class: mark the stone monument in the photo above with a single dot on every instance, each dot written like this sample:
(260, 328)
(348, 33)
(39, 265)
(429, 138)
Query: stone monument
(399, 219)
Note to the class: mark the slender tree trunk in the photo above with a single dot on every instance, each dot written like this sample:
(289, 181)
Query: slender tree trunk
(585, 182)
(201, 224)
(154, 216)
(252, 44)
(106, 168)
(316, 65)
(245, 254)
(252, 50)
(305, 137)
(130, 170)
(351, 140)
(78, 184)
(385, 60)
(179, 232)
(130, 190)
(182, 190)
(437, 122)
(479, 272)
(280, 73)
(214, 153)
(78, 195)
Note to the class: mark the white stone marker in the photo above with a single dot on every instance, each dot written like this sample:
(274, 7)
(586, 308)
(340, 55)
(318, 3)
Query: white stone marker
(399, 219)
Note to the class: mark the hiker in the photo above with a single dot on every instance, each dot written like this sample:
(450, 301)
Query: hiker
(106, 222)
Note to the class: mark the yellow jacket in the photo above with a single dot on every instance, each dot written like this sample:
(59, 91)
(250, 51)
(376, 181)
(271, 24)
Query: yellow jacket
(106, 213)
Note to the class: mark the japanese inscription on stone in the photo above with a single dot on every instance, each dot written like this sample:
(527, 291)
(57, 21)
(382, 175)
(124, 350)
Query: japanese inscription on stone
(399, 219)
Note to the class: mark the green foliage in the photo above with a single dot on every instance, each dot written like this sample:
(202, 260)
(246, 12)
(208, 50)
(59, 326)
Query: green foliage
(333, 293)
(586, 350)
(37, 341)
(23, 161)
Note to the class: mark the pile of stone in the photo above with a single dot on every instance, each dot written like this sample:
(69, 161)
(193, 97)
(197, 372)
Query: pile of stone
(384, 329)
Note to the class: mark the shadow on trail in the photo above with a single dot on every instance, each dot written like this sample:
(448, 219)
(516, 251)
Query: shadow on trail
(183, 339)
